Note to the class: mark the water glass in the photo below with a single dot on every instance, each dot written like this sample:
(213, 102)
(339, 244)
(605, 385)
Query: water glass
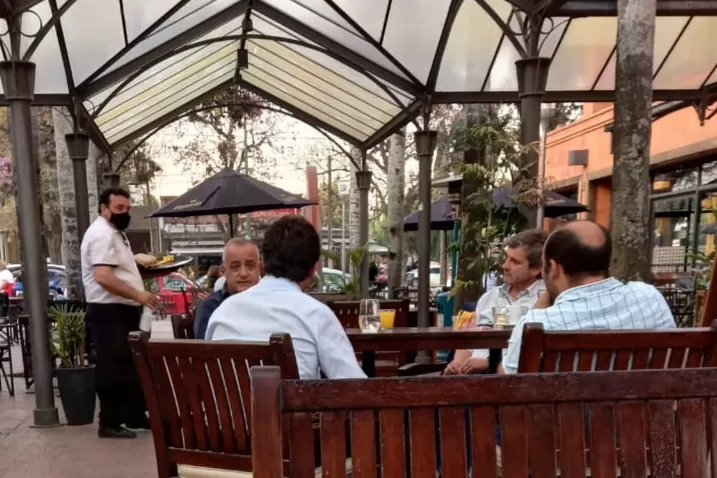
(369, 317)
(500, 316)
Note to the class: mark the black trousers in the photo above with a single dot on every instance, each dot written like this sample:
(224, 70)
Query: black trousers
(118, 386)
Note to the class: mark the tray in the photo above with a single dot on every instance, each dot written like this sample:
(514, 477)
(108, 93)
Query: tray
(164, 269)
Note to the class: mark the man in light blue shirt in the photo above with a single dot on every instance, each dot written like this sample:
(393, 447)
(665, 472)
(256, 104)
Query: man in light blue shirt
(277, 304)
(582, 296)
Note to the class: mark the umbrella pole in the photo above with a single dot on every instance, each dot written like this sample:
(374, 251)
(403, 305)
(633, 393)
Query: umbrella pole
(231, 226)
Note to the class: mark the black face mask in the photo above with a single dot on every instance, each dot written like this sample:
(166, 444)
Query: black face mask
(120, 221)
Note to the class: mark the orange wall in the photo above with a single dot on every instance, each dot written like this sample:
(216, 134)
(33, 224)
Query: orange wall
(677, 130)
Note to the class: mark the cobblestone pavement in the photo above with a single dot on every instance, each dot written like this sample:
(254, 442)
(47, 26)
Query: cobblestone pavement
(64, 452)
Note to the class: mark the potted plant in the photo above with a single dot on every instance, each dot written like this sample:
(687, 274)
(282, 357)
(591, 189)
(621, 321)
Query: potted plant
(75, 377)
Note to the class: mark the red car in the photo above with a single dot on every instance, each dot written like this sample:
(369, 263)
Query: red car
(172, 290)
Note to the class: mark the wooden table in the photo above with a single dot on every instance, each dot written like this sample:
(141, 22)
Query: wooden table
(411, 339)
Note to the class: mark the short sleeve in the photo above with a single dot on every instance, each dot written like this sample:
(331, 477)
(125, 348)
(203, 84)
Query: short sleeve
(102, 251)
(337, 358)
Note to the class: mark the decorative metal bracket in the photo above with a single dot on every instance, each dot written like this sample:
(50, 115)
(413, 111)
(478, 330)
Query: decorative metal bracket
(705, 107)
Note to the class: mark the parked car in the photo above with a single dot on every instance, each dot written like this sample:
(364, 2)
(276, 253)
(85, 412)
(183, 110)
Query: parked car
(412, 276)
(171, 287)
(56, 279)
(331, 280)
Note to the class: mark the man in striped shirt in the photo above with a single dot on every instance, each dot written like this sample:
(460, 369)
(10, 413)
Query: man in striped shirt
(580, 293)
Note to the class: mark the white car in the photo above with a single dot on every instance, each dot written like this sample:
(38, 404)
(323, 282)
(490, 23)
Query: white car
(412, 276)
(332, 280)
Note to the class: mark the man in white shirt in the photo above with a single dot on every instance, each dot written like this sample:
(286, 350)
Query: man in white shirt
(114, 292)
(6, 278)
(277, 304)
(581, 295)
(521, 285)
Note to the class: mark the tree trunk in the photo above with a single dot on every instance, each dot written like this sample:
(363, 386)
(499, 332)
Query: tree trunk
(68, 213)
(354, 231)
(630, 211)
(469, 280)
(396, 195)
(52, 224)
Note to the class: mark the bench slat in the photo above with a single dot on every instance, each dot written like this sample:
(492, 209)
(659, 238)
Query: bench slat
(694, 441)
(631, 430)
(572, 433)
(363, 444)
(603, 456)
(663, 443)
(333, 444)
(452, 422)
(422, 428)
(393, 450)
(483, 456)
(542, 441)
(514, 447)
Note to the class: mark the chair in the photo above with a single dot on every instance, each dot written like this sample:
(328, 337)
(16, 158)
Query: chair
(602, 350)
(199, 400)
(183, 327)
(6, 339)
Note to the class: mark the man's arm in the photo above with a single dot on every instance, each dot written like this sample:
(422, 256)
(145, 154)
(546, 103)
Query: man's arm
(105, 276)
(337, 358)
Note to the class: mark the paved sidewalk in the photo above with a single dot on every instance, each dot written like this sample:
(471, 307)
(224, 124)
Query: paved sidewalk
(64, 452)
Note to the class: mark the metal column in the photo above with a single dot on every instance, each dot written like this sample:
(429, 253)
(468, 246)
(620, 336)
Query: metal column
(78, 147)
(425, 144)
(18, 81)
(363, 182)
(532, 79)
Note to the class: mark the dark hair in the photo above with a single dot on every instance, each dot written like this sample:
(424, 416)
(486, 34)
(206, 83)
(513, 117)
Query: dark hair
(576, 258)
(533, 240)
(291, 248)
(106, 196)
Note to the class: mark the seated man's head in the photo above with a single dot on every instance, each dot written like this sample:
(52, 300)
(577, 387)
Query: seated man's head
(523, 258)
(291, 250)
(241, 264)
(577, 253)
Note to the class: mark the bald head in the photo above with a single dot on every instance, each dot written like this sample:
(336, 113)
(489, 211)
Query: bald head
(241, 264)
(581, 248)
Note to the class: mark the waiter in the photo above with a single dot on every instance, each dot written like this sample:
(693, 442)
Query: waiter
(115, 294)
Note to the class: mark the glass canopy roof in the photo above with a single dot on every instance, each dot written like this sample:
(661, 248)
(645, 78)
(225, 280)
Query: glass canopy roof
(356, 68)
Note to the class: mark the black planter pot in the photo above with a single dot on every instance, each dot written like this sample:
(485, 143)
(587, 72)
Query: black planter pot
(77, 393)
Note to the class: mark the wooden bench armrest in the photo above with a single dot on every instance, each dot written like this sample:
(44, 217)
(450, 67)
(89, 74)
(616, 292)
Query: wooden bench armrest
(414, 369)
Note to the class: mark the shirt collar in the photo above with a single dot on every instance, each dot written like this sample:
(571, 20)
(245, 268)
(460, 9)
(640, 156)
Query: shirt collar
(279, 283)
(587, 290)
(533, 289)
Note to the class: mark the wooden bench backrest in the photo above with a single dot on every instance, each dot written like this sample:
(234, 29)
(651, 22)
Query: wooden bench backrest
(401, 426)
(567, 351)
(200, 392)
(347, 311)
(183, 326)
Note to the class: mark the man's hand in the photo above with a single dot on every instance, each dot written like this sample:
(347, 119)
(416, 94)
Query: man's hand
(454, 368)
(147, 298)
(473, 365)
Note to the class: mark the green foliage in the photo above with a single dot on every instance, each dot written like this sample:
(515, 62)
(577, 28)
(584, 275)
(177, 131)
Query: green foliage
(68, 337)
(494, 157)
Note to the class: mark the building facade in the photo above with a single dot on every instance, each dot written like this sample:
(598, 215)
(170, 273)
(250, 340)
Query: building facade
(683, 173)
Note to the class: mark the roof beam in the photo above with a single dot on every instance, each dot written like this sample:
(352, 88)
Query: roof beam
(398, 122)
(86, 89)
(598, 8)
(597, 96)
(172, 114)
(312, 35)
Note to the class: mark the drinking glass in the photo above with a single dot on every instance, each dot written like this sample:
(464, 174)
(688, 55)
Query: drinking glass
(369, 318)
(500, 316)
(387, 318)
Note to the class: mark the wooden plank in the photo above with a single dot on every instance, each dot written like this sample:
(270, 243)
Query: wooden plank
(631, 420)
(514, 447)
(694, 438)
(333, 444)
(452, 433)
(603, 462)
(363, 444)
(483, 446)
(542, 441)
(663, 459)
(572, 432)
(422, 430)
(393, 450)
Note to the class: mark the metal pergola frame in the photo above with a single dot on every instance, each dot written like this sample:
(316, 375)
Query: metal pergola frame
(393, 77)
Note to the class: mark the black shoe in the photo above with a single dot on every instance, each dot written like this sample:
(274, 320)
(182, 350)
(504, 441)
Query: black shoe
(140, 425)
(121, 432)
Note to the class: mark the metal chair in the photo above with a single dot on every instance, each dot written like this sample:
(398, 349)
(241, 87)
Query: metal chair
(7, 332)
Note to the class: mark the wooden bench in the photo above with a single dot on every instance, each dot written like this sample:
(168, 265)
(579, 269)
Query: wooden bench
(393, 425)
(199, 401)
(600, 350)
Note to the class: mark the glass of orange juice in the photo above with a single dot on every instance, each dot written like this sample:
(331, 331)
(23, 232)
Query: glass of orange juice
(387, 316)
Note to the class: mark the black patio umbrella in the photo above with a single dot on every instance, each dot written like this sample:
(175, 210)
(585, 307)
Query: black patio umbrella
(555, 204)
(229, 192)
(441, 217)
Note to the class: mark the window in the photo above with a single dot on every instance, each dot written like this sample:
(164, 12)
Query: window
(174, 284)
